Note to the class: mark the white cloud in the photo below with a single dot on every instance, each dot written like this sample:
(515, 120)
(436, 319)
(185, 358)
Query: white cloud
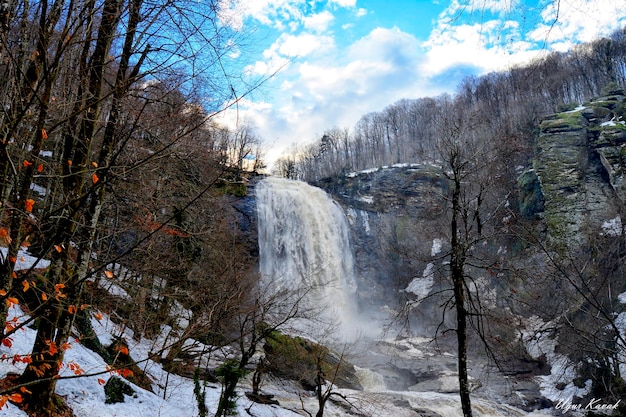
(484, 34)
(343, 3)
(304, 44)
(335, 88)
(279, 14)
(318, 22)
(274, 13)
(565, 23)
(289, 47)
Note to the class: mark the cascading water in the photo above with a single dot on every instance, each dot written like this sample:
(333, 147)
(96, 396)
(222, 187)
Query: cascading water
(304, 244)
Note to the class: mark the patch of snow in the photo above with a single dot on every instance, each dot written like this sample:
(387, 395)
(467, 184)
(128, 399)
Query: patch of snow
(437, 246)
(578, 108)
(46, 154)
(612, 227)
(366, 221)
(368, 171)
(351, 215)
(620, 322)
(366, 199)
(622, 298)
(609, 123)
(25, 260)
(484, 291)
(38, 189)
(538, 341)
(421, 286)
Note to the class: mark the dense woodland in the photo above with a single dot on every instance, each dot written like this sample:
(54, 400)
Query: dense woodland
(112, 167)
(505, 106)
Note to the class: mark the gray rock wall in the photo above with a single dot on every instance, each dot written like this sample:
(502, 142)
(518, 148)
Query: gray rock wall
(579, 161)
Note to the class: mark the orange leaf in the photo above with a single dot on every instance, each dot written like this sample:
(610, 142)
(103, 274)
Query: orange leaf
(26, 285)
(108, 274)
(94, 164)
(4, 235)
(16, 398)
(3, 401)
(11, 301)
(58, 248)
(44, 296)
(27, 163)
(29, 205)
(3, 293)
(83, 307)
(52, 347)
(98, 316)
(59, 287)
(126, 373)
(25, 390)
(44, 134)
(40, 168)
(101, 381)
(122, 349)
(7, 341)
(71, 309)
(95, 178)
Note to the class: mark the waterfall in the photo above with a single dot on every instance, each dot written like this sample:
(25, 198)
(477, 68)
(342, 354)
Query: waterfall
(304, 244)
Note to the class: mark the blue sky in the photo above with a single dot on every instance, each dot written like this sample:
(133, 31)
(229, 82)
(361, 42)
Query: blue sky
(341, 59)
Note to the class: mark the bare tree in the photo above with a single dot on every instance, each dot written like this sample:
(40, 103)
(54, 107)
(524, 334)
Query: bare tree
(75, 80)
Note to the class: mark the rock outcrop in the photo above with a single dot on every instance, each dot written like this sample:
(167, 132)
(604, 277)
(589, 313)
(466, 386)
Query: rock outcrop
(386, 209)
(580, 161)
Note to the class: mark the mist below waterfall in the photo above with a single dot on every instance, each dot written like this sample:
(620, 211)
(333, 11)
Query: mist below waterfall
(304, 245)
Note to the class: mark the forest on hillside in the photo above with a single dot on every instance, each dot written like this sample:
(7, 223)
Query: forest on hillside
(502, 106)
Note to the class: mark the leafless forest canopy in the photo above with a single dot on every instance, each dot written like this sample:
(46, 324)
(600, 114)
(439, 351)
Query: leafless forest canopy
(501, 107)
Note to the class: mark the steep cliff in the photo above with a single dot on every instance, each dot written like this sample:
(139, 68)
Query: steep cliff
(579, 161)
(395, 214)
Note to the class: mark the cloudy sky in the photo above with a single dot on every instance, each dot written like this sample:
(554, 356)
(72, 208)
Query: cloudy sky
(340, 59)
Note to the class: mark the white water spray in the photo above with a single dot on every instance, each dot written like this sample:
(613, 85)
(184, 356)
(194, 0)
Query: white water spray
(304, 244)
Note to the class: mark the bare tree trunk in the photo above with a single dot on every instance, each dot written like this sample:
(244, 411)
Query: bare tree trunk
(457, 263)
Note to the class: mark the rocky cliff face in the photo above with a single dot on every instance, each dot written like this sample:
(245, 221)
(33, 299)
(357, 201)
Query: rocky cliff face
(580, 161)
(395, 215)
(574, 189)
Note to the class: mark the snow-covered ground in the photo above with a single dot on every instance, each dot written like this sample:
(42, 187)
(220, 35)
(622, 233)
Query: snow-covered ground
(173, 395)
